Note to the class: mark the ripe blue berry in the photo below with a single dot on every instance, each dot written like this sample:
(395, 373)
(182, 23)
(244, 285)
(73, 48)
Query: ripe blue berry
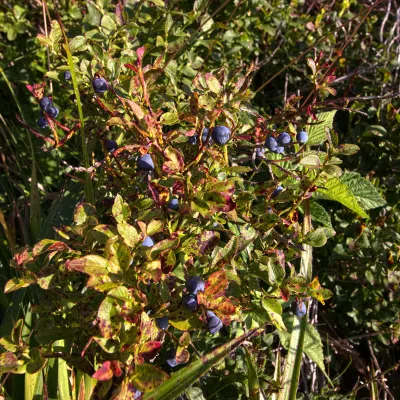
(271, 144)
(284, 138)
(170, 357)
(221, 134)
(260, 152)
(42, 123)
(67, 75)
(52, 111)
(192, 140)
(213, 322)
(146, 163)
(277, 191)
(111, 145)
(279, 150)
(148, 242)
(45, 103)
(162, 322)
(136, 394)
(190, 301)
(173, 204)
(194, 284)
(299, 309)
(204, 136)
(100, 85)
(302, 137)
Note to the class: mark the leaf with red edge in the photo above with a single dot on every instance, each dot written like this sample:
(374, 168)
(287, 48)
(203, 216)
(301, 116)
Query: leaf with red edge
(149, 350)
(28, 278)
(182, 355)
(104, 373)
(91, 265)
(22, 256)
(216, 284)
(207, 242)
(148, 328)
(285, 293)
(146, 377)
(131, 67)
(49, 245)
(174, 163)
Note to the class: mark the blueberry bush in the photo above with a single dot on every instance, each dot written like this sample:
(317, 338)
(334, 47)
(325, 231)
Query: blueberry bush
(199, 200)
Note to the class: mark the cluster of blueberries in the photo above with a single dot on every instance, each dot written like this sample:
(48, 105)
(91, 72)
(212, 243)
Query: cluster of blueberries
(278, 145)
(219, 135)
(189, 300)
(48, 107)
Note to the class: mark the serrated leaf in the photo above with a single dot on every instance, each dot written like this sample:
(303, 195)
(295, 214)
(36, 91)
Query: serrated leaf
(333, 170)
(319, 214)
(311, 161)
(338, 191)
(317, 133)
(364, 191)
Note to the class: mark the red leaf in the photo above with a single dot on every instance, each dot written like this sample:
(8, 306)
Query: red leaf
(140, 52)
(104, 373)
(117, 371)
(149, 350)
(285, 294)
(130, 66)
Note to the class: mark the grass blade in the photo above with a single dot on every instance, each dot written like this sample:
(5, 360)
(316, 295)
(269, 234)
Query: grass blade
(182, 379)
(88, 182)
(64, 392)
(254, 385)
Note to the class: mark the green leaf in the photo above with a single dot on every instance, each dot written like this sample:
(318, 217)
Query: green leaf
(169, 118)
(8, 362)
(120, 210)
(108, 23)
(147, 377)
(212, 83)
(78, 43)
(90, 264)
(339, 191)
(254, 385)
(311, 161)
(319, 237)
(199, 5)
(347, 149)
(27, 279)
(129, 234)
(364, 191)
(317, 133)
(274, 310)
(319, 214)
(184, 378)
(36, 362)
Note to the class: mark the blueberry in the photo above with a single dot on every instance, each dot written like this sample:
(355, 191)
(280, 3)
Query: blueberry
(148, 242)
(213, 322)
(52, 111)
(100, 85)
(302, 137)
(67, 75)
(192, 140)
(146, 163)
(271, 143)
(205, 135)
(284, 138)
(279, 150)
(173, 204)
(221, 134)
(162, 322)
(45, 103)
(170, 357)
(277, 191)
(190, 301)
(299, 309)
(194, 284)
(42, 123)
(111, 145)
(137, 393)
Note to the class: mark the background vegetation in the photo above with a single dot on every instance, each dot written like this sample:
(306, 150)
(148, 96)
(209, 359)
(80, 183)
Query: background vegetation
(270, 43)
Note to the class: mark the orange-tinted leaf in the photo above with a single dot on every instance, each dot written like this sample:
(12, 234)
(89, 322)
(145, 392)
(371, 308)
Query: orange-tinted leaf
(149, 350)
(216, 284)
(182, 355)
